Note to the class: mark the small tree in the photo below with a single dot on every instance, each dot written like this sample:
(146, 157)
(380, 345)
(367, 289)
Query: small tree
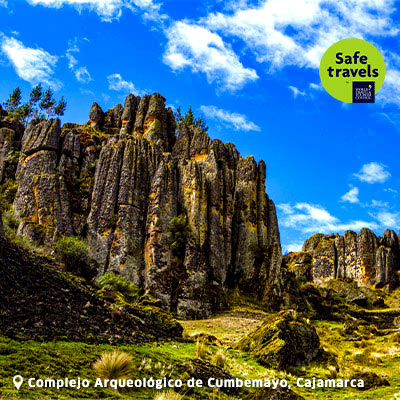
(13, 102)
(189, 120)
(41, 104)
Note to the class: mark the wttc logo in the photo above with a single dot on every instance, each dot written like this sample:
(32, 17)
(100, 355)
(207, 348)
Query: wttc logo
(363, 92)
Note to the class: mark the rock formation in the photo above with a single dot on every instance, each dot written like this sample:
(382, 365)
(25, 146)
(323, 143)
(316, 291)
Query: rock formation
(365, 258)
(124, 179)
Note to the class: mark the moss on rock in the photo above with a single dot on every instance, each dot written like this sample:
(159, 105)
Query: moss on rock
(283, 341)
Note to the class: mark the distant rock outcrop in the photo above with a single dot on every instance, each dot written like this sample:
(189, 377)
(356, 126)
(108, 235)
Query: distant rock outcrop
(120, 180)
(365, 258)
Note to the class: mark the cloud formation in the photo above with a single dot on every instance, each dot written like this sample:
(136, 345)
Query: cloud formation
(296, 92)
(351, 196)
(373, 172)
(239, 122)
(311, 218)
(388, 219)
(33, 65)
(108, 10)
(115, 82)
(197, 48)
(82, 74)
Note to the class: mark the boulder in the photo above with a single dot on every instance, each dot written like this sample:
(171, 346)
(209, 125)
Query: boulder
(199, 369)
(371, 380)
(96, 116)
(283, 341)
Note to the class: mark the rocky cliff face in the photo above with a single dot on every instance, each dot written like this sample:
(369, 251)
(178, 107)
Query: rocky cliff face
(364, 258)
(124, 181)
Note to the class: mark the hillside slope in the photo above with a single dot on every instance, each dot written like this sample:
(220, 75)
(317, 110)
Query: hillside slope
(39, 302)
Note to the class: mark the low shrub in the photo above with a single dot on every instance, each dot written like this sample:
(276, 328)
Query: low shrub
(201, 350)
(116, 283)
(74, 255)
(219, 359)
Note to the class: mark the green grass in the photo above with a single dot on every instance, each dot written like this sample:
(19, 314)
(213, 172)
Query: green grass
(379, 354)
(61, 359)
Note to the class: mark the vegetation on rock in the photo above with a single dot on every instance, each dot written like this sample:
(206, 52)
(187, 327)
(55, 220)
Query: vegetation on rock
(283, 341)
(189, 119)
(118, 286)
(74, 255)
(41, 104)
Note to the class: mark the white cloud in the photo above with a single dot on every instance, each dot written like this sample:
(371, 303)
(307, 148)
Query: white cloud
(87, 92)
(351, 196)
(72, 61)
(297, 32)
(377, 204)
(33, 65)
(3, 3)
(373, 172)
(310, 218)
(296, 92)
(295, 246)
(115, 82)
(108, 10)
(196, 47)
(390, 190)
(388, 219)
(82, 75)
(316, 86)
(238, 121)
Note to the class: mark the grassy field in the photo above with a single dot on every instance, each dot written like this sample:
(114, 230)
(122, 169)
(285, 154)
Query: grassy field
(376, 353)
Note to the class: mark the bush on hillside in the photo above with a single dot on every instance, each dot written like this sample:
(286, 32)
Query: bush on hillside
(74, 255)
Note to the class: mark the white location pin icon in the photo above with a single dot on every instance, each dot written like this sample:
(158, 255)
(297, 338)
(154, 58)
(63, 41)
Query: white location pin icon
(18, 379)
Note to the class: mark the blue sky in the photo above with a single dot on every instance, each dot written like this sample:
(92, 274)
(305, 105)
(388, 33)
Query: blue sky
(251, 67)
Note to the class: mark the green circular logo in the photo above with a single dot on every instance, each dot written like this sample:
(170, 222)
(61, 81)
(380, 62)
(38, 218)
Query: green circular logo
(352, 71)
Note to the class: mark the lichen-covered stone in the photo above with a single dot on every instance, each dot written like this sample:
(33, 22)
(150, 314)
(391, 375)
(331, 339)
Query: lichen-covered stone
(282, 341)
(364, 258)
(300, 263)
(96, 116)
(41, 135)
